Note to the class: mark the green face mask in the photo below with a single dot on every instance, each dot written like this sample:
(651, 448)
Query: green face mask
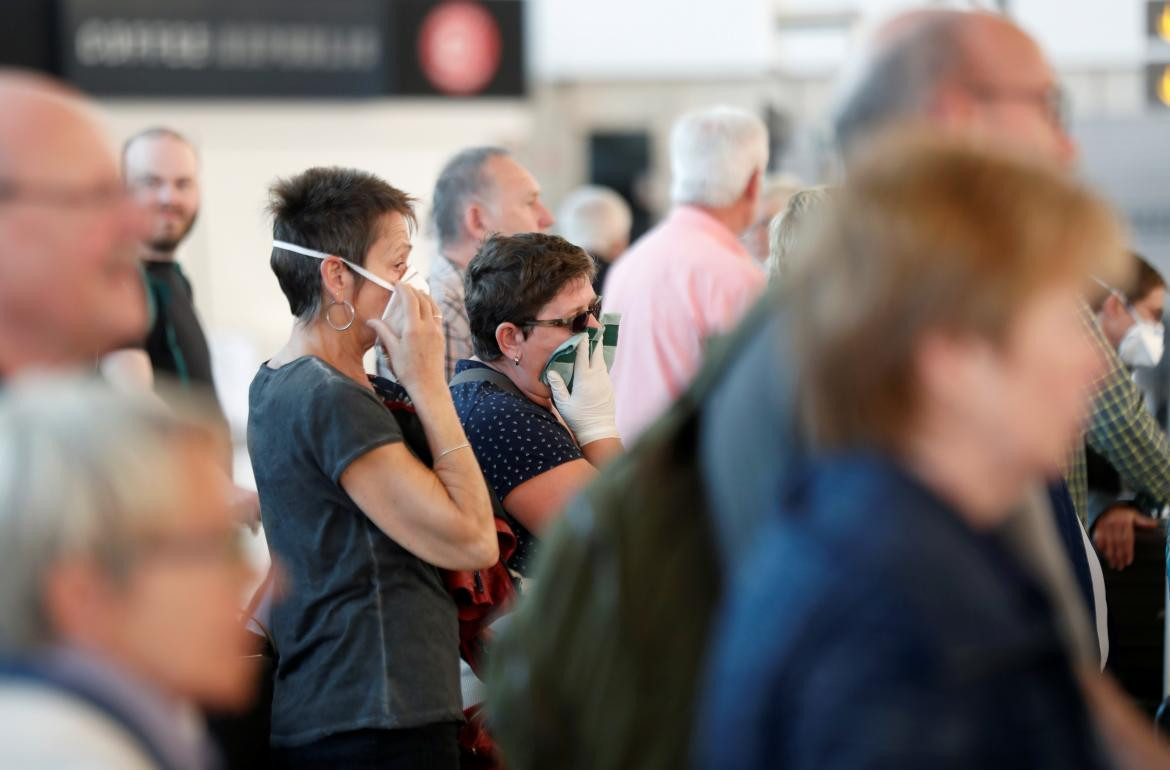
(564, 359)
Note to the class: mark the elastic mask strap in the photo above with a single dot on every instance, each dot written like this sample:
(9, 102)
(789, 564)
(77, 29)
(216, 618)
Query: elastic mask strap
(286, 246)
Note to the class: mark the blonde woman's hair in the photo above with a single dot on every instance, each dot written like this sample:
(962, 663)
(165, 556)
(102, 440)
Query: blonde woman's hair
(795, 229)
(930, 235)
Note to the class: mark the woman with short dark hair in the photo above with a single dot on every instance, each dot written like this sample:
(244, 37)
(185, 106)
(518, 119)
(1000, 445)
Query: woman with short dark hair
(539, 439)
(360, 518)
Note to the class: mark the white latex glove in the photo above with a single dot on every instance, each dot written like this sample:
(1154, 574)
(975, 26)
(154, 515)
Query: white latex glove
(589, 409)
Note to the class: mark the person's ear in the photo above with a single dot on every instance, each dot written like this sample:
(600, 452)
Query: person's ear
(953, 105)
(752, 191)
(475, 222)
(336, 279)
(510, 338)
(76, 601)
(1114, 307)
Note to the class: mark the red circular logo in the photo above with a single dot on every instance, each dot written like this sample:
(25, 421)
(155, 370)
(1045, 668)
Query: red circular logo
(459, 47)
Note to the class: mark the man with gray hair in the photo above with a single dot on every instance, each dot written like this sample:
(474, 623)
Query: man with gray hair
(598, 220)
(481, 191)
(123, 570)
(690, 277)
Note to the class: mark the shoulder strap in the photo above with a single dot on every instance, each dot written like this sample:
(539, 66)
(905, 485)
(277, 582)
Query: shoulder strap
(484, 374)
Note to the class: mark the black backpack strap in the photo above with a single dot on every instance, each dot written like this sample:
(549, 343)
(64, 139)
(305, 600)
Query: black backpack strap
(484, 374)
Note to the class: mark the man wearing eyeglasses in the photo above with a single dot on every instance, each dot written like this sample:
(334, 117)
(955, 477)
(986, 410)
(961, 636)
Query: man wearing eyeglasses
(69, 283)
(980, 76)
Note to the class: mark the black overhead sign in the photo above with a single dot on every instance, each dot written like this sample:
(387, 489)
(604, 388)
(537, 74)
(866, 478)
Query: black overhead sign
(286, 48)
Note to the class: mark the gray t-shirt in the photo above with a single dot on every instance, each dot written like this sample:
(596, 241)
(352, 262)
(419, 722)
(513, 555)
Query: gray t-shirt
(366, 634)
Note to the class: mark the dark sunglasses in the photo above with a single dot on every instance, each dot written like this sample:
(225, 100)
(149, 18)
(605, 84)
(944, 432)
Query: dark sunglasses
(575, 324)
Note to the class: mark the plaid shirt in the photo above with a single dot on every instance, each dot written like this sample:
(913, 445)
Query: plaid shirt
(446, 286)
(1122, 431)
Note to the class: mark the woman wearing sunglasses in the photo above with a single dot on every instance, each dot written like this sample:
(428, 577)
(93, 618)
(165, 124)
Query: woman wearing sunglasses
(539, 439)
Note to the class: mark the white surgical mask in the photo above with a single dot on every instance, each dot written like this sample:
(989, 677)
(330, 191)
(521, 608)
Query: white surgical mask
(1143, 344)
(286, 246)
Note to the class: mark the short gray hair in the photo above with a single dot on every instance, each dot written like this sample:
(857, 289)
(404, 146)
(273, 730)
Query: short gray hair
(793, 228)
(595, 218)
(84, 471)
(461, 180)
(713, 154)
(901, 75)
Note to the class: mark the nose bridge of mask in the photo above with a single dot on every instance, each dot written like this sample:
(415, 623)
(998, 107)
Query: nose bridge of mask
(286, 246)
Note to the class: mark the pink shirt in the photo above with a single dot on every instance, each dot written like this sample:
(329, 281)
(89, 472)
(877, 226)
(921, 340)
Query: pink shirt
(683, 281)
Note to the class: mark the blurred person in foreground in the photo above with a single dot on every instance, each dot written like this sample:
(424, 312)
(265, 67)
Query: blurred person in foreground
(778, 190)
(539, 444)
(881, 611)
(123, 572)
(1131, 319)
(360, 516)
(965, 73)
(690, 277)
(70, 290)
(980, 75)
(793, 228)
(161, 170)
(481, 191)
(974, 75)
(598, 220)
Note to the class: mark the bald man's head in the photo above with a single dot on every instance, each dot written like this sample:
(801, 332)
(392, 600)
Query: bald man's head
(69, 281)
(968, 71)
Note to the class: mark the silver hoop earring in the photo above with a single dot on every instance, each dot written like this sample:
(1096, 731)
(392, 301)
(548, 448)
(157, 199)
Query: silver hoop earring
(348, 307)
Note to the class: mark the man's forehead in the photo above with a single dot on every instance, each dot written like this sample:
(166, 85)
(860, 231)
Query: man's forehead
(506, 173)
(999, 52)
(161, 153)
(53, 142)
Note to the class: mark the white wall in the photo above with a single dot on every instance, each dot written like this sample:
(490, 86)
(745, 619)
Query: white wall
(244, 146)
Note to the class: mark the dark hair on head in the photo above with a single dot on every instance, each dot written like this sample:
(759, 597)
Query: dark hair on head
(1140, 278)
(1145, 279)
(460, 180)
(512, 277)
(155, 132)
(333, 210)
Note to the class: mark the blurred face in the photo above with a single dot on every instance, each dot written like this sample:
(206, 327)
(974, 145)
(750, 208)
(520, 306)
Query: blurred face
(513, 204)
(68, 237)
(162, 174)
(1026, 401)
(175, 619)
(1117, 317)
(387, 259)
(536, 344)
(1010, 93)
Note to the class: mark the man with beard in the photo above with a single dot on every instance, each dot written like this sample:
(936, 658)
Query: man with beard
(161, 172)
